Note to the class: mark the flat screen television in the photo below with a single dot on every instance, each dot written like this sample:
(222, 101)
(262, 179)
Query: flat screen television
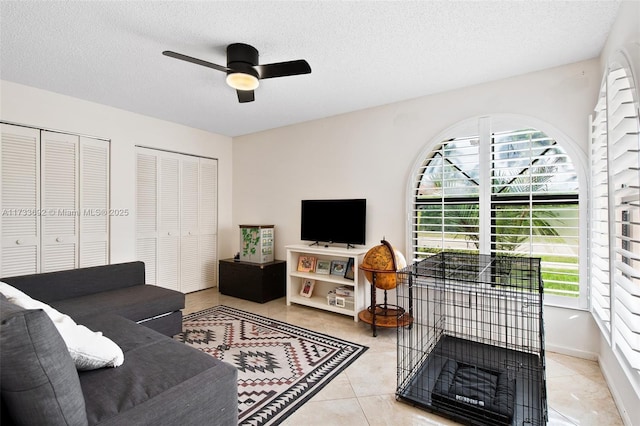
(334, 221)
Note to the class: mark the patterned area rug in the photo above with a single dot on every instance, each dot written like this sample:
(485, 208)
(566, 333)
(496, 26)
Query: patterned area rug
(280, 366)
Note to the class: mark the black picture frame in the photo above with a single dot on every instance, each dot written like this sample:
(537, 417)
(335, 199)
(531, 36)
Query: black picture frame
(349, 273)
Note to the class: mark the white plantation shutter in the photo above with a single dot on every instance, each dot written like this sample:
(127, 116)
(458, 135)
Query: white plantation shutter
(146, 213)
(59, 201)
(94, 202)
(20, 200)
(615, 217)
(624, 163)
(599, 264)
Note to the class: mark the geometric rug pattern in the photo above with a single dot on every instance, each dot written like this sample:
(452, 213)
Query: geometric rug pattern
(280, 366)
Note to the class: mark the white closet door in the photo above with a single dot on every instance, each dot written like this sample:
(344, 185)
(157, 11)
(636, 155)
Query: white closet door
(94, 202)
(20, 200)
(59, 201)
(169, 222)
(208, 242)
(146, 212)
(189, 226)
(176, 219)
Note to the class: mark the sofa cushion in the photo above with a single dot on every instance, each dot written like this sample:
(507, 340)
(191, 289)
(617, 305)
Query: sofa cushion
(135, 303)
(38, 380)
(88, 349)
(59, 285)
(169, 325)
(163, 381)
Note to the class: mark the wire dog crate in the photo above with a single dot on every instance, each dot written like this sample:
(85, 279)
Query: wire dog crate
(475, 349)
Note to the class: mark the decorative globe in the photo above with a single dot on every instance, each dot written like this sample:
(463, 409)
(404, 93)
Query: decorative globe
(384, 261)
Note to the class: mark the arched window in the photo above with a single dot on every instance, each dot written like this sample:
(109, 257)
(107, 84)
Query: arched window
(502, 187)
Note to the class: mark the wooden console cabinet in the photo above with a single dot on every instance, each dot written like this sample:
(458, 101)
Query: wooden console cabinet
(257, 282)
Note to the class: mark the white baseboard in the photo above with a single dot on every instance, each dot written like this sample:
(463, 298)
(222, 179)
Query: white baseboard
(565, 350)
(615, 394)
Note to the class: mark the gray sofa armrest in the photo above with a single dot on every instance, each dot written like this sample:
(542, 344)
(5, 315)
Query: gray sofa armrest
(53, 286)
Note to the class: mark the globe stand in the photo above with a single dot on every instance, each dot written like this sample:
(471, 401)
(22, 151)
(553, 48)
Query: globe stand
(383, 315)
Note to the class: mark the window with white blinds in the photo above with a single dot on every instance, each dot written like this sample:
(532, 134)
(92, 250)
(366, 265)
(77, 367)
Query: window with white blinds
(447, 199)
(615, 292)
(534, 206)
(511, 192)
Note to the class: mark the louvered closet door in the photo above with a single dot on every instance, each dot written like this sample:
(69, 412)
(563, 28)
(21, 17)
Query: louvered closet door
(94, 202)
(169, 222)
(59, 201)
(20, 200)
(176, 219)
(146, 212)
(208, 222)
(189, 226)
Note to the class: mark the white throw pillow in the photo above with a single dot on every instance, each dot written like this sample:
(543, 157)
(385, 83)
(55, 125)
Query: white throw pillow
(89, 350)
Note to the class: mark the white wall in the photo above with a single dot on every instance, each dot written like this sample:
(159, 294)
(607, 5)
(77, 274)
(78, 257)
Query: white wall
(370, 154)
(26, 105)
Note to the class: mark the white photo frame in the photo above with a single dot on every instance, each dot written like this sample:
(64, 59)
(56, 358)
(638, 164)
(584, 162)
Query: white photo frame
(323, 267)
(307, 287)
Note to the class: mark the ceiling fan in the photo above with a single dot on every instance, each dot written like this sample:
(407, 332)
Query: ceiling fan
(243, 70)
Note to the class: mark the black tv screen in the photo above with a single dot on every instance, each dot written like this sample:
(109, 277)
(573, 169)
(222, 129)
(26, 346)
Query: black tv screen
(334, 221)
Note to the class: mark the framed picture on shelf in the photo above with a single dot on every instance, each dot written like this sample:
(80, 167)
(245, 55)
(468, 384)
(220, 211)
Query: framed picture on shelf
(338, 267)
(323, 267)
(348, 273)
(306, 263)
(307, 287)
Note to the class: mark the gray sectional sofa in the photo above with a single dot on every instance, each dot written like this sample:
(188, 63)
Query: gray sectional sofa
(161, 382)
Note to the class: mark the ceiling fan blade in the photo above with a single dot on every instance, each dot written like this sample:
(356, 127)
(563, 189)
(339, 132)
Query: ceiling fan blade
(245, 96)
(283, 69)
(194, 60)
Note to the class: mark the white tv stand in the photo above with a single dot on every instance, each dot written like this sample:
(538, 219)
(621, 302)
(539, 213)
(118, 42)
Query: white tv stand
(323, 282)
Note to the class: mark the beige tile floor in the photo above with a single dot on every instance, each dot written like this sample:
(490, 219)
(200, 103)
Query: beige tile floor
(364, 394)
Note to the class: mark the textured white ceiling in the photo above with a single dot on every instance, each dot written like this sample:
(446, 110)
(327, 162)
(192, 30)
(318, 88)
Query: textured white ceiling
(362, 53)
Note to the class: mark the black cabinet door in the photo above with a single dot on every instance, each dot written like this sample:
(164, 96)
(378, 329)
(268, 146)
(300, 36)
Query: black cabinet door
(257, 282)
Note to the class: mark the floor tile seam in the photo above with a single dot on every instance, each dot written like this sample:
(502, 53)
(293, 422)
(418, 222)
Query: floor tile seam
(364, 412)
(353, 388)
(560, 376)
(567, 418)
(345, 398)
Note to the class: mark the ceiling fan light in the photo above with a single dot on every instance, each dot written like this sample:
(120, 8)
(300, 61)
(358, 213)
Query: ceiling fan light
(242, 81)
